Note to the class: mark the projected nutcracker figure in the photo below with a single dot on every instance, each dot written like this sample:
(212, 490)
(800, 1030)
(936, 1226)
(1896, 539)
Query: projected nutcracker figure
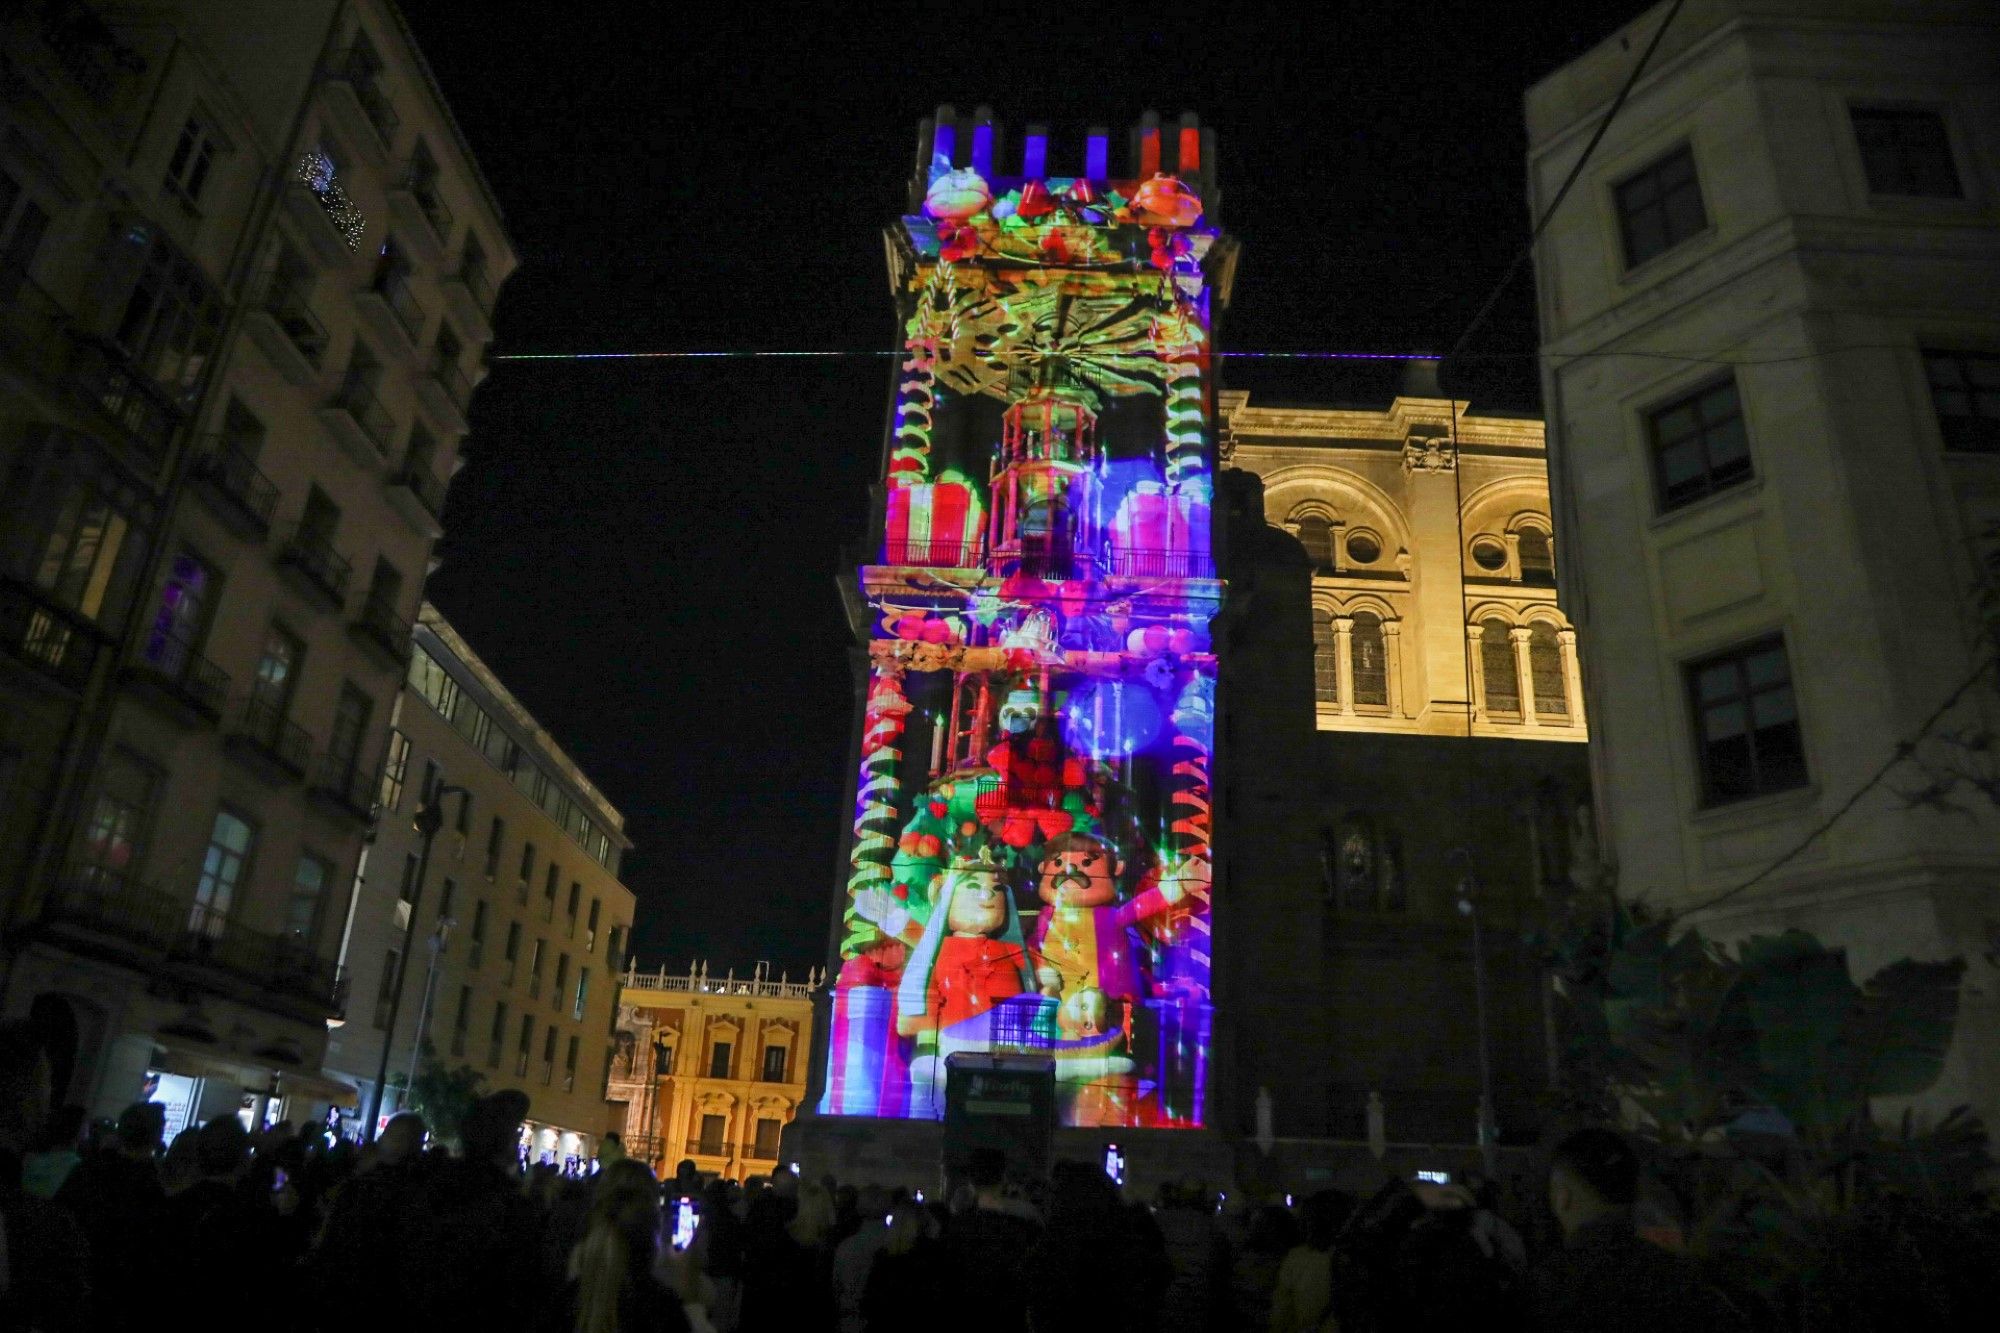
(1030, 858)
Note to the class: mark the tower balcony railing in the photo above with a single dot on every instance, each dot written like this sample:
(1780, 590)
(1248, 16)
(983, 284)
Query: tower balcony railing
(938, 554)
(1181, 564)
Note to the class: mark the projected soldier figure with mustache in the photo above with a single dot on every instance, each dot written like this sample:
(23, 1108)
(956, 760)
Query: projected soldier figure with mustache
(1085, 941)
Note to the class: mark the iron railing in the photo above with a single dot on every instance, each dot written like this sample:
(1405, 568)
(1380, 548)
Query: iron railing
(226, 466)
(707, 1148)
(345, 781)
(313, 555)
(174, 659)
(355, 398)
(51, 639)
(265, 726)
(288, 307)
(114, 904)
(380, 622)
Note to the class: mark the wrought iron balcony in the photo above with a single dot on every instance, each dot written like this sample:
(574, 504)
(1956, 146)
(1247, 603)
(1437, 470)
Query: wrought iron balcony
(937, 554)
(1158, 564)
(381, 628)
(323, 572)
(47, 637)
(171, 669)
(91, 371)
(271, 742)
(270, 963)
(707, 1148)
(345, 786)
(241, 496)
(111, 909)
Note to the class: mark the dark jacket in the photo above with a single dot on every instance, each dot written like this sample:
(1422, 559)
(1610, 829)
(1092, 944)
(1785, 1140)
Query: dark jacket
(121, 1209)
(1607, 1277)
(469, 1251)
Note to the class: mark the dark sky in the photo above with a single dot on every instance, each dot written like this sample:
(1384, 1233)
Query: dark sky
(646, 551)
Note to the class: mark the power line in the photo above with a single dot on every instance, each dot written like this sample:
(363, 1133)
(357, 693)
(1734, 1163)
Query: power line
(1528, 250)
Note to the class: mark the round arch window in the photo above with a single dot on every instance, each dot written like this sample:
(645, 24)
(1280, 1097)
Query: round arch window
(1489, 554)
(1364, 547)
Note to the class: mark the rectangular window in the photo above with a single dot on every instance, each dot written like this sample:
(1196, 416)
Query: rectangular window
(188, 168)
(535, 970)
(774, 1063)
(114, 840)
(590, 926)
(719, 1059)
(350, 728)
(497, 1035)
(437, 687)
(1660, 207)
(1905, 151)
(447, 898)
(1965, 394)
(569, 1066)
(79, 528)
(526, 1045)
(613, 958)
(1698, 445)
(663, 1060)
(713, 1127)
(277, 673)
(385, 989)
(170, 321)
(582, 994)
(476, 954)
(1746, 722)
(575, 899)
(395, 769)
(766, 1147)
(513, 951)
(464, 824)
(433, 779)
(460, 1020)
(302, 903)
(549, 892)
(224, 867)
(23, 224)
(560, 990)
(406, 891)
(385, 595)
(549, 1056)
(180, 620)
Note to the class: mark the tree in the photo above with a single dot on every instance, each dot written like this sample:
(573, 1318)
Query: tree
(444, 1096)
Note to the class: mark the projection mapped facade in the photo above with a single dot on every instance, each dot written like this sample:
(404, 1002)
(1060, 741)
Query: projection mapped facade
(1030, 856)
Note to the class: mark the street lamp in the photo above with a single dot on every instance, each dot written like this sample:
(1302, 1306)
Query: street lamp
(1468, 906)
(428, 819)
(438, 938)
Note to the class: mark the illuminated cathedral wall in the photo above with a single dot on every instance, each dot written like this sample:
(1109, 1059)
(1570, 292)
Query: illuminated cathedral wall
(1030, 864)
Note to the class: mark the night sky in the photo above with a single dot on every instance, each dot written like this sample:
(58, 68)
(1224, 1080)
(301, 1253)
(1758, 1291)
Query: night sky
(646, 551)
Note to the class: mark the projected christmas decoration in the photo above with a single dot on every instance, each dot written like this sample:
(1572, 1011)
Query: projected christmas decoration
(1030, 854)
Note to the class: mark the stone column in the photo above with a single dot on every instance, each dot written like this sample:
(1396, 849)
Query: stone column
(1524, 676)
(1514, 556)
(1343, 657)
(1474, 633)
(1392, 663)
(1572, 675)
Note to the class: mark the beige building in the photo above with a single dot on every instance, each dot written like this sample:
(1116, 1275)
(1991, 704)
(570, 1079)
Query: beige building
(711, 1069)
(1433, 564)
(249, 267)
(514, 925)
(1772, 367)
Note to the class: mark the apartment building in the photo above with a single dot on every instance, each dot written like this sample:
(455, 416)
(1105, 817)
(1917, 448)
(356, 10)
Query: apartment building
(250, 266)
(499, 946)
(711, 1069)
(1771, 348)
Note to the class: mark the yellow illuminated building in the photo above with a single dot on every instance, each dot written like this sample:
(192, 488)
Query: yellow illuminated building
(710, 1068)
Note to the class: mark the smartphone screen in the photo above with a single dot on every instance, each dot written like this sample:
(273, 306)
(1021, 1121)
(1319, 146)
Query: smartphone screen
(686, 1219)
(279, 1180)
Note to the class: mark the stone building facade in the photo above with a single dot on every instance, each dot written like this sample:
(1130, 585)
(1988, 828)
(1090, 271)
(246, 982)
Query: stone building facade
(711, 1069)
(1771, 350)
(250, 265)
(1400, 693)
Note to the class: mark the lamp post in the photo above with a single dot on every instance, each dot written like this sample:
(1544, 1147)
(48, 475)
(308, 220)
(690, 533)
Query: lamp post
(439, 936)
(428, 819)
(1468, 905)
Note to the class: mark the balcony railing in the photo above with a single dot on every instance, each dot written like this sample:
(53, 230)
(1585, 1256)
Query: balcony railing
(346, 784)
(231, 476)
(172, 661)
(456, 386)
(707, 1148)
(278, 964)
(392, 284)
(382, 626)
(358, 400)
(314, 557)
(423, 188)
(94, 371)
(51, 639)
(115, 905)
(1159, 564)
(939, 554)
(265, 727)
(293, 313)
(421, 482)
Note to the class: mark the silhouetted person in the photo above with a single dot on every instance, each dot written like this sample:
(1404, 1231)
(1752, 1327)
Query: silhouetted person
(1303, 1297)
(1100, 1265)
(610, 1287)
(220, 1239)
(364, 1218)
(116, 1198)
(1197, 1301)
(46, 1284)
(1606, 1276)
(468, 1246)
(788, 1262)
(906, 1285)
(987, 1249)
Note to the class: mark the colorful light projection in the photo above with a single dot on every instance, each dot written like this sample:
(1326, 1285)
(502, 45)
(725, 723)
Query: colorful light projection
(1030, 866)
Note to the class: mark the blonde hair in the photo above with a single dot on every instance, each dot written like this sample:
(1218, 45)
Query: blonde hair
(814, 1221)
(625, 1216)
(911, 1224)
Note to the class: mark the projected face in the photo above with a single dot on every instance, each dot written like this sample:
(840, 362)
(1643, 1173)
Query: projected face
(1081, 872)
(1021, 710)
(979, 906)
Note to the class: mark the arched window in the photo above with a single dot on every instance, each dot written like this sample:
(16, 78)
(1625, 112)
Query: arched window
(1496, 661)
(1326, 662)
(1316, 532)
(1371, 666)
(1545, 667)
(1538, 564)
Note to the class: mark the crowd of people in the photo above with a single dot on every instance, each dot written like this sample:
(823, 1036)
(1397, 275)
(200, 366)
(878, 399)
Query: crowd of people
(116, 1229)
